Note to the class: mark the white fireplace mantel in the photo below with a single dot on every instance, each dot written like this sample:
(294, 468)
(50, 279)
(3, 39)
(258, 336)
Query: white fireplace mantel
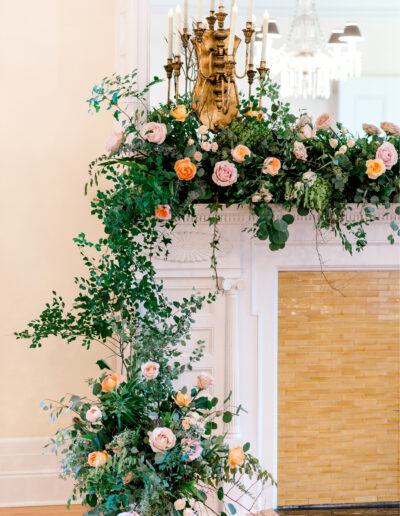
(242, 328)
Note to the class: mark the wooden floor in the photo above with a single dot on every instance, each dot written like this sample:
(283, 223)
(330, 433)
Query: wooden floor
(76, 510)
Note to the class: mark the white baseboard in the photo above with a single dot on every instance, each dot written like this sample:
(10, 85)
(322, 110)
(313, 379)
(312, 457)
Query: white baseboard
(28, 476)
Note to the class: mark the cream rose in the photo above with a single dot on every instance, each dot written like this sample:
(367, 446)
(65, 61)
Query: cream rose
(197, 156)
(94, 414)
(203, 129)
(350, 143)
(300, 151)
(154, 132)
(206, 146)
(150, 370)
(180, 504)
(304, 120)
(214, 146)
(306, 132)
(205, 380)
(324, 122)
(190, 141)
(309, 177)
(161, 439)
(388, 154)
(333, 143)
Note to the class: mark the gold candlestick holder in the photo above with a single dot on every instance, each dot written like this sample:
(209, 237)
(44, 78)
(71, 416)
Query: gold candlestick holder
(262, 70)
(199, 31)
(251, 73)
(211, 20)
(176, 66)
(169, 70)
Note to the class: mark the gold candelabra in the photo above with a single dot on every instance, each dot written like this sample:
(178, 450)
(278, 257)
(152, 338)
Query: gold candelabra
(215, 95)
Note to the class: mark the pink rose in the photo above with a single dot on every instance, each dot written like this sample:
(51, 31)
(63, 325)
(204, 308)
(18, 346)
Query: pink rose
(388, 154)
(306, 132)
(150, 370)
(350, 143)
(206, 146)
(197, 156)
(214, 146)
(114, 141)
(324, 121)
(94, 415)
(391, 128)
(271, 166)
(205, 380)
(192, 449)
(203, 129)
(161, 439)
(154, 132)
(304, 120)
(300, 151)
(240, 152)
(371, 129)
(333, 143)
(225, 173)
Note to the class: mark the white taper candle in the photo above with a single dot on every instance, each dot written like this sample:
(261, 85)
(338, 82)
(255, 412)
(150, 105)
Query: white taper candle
(264, 42)
(253, 37)
(212, 5)
(250, 11)
(170, 32)
(199, 10)
(178, 30)
(232, 30)
(185, 15)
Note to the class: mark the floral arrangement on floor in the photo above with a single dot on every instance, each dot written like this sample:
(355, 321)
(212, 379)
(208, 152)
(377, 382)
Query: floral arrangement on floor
(140, 446)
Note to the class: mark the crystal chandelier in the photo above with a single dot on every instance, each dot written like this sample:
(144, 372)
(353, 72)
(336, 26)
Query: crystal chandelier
(306, 64)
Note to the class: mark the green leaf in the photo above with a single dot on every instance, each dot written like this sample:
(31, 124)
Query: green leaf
(302, 211)
(96, 389)
(220, 493)
(288, 218)
(394, 226)
(103, 365)
(91, 500)
(246, 447)
(227, 417)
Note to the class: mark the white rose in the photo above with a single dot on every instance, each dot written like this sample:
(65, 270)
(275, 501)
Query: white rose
(309, 177)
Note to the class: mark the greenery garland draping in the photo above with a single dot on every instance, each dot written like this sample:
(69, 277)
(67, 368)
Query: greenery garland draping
(139, 445)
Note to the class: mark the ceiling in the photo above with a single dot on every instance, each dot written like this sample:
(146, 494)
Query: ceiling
(329, 8)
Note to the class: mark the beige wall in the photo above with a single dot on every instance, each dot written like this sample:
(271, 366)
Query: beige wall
(52, 52)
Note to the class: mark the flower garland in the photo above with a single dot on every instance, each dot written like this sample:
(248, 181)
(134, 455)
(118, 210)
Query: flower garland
(140, 446)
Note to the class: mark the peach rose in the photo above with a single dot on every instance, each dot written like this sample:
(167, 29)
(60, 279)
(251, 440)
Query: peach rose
(306, 132)
(192, 449)
(180, 504)
(240, 152)
(98, 458)
(214, 146)
(375, 168)
(154, 132)
(205, 380)
(259, 115)
(127, 478)
(300, 151)
(161, 439)
(388, 154)
(391, 128)
(185, 424)
(190, 141)
(304, 120)
(235, 457)
(150, 370)
(203, 129)
(343, 130)
(183, 400)
(114, 141)
(342, 150)
(371, 129)
(324, 122)
(271, 166)
(111, 382)
(225, 173)
(163, 212)
(179, 113)
(333, 143)
(185, 169)
(94, 414)
(197, 156)
(206, 146)
(350, 143)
